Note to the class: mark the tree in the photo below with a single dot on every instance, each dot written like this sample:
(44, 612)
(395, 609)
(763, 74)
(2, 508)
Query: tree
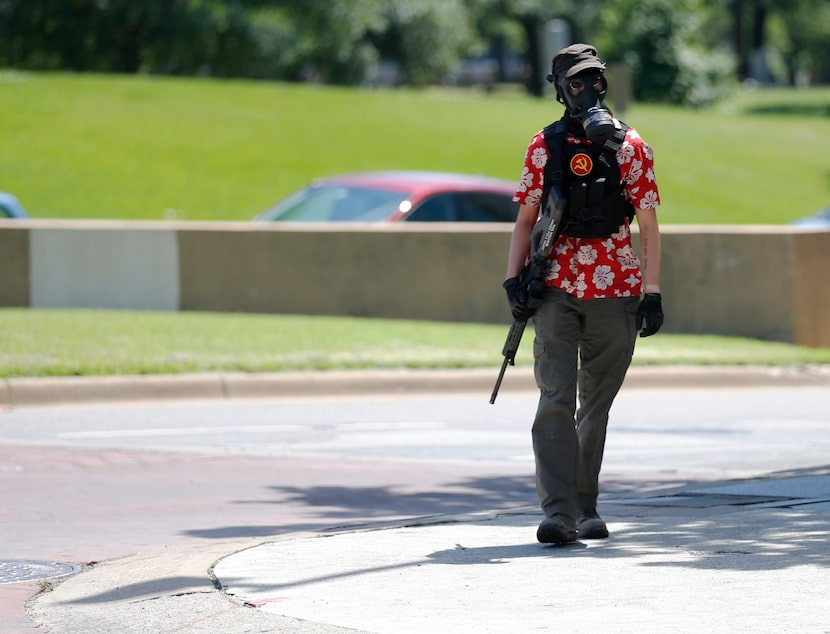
(344, 42)
(805, 52)
(749, 36)
(780, 41)
(531, 16)
(329, 42)
(660, 41)
(112, 36)
(680, 51)
(428, 38)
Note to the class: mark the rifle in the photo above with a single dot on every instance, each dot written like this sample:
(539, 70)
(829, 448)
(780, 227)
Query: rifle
(533, 276)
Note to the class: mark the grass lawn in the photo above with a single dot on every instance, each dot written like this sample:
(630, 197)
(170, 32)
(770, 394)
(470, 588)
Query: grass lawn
(87, 343)
(138, 147)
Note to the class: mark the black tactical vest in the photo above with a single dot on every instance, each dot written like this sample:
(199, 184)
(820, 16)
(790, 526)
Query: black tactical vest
(588, 176)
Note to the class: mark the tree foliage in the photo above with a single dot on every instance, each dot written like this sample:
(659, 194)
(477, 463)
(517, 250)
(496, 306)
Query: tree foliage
(170, 36)
(664, 45)
(681, 51)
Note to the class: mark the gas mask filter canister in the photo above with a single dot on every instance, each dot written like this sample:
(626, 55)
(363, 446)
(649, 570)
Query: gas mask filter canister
(599, 124)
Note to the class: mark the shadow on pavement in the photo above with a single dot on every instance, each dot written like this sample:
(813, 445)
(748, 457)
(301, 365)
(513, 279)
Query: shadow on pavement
(149, 589)
(365, 504)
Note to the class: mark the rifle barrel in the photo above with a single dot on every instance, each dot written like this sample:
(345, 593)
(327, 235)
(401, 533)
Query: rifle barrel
(498, 381)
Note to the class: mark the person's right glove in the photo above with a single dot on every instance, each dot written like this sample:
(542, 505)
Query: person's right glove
(518, 298)
(650, 313)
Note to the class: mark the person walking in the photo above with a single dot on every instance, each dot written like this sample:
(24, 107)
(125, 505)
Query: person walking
(597, 294)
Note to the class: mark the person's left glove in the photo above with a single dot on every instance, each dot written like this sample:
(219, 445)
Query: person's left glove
(518, 298)
(650, 314)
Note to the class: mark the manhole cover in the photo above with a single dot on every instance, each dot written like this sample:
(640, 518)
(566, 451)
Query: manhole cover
(17, 570)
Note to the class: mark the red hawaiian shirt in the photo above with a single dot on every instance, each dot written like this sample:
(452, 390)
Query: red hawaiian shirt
(592, 268)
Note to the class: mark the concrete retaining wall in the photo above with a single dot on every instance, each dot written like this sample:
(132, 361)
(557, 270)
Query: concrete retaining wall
(758, 281)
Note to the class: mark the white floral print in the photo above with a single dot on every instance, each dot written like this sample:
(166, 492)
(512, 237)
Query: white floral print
(539, 157)
(627, 258)
(526, 180)
(586, 254)
(534, 196)
(603, 277)
(632, 280)
(649, 201)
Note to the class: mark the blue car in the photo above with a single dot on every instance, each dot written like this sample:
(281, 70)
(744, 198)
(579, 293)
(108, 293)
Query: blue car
(819, 220)
(10, 207)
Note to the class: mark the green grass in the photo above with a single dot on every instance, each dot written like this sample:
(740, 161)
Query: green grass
(50, 342)
(137, 147)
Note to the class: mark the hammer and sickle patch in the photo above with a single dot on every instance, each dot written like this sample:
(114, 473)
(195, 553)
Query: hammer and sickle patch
(581, 164)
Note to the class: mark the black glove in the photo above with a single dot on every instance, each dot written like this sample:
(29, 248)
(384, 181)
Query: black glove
(650, 312)
(518, 298)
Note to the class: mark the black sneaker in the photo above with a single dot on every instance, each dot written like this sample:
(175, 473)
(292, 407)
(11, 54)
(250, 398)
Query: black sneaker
(557, 529)
(590, 525)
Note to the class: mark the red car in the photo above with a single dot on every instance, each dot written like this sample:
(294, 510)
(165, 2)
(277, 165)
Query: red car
(399, 196)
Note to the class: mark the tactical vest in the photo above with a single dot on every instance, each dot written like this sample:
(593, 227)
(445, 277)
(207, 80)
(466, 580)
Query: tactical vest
(588, 176)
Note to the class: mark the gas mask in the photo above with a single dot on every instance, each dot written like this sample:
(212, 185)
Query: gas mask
(583, 94)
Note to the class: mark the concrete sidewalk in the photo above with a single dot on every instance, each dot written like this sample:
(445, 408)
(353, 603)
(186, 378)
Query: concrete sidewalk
(747, 556)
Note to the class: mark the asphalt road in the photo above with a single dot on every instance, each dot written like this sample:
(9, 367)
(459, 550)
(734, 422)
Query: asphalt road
(88, 483)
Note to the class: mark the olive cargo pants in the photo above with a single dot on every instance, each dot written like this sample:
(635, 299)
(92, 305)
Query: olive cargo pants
(583, 345)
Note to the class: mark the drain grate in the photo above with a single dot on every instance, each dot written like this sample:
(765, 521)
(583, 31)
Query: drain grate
(19, 570)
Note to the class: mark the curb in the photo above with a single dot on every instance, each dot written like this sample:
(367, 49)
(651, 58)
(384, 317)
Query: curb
(33, 392)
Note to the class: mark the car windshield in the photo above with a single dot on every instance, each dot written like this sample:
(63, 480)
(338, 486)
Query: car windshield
(325, 203)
